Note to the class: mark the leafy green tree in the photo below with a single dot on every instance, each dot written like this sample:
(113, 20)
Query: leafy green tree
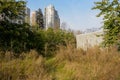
(39, 19)
(12, 34)
(39, 41)
(110, 11)
(12, 10)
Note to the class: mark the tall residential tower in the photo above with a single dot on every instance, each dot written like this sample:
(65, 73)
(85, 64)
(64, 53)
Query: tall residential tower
(33, 18)
(27, 17)
(51, 18)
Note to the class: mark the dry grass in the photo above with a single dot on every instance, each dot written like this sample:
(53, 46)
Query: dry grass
(29, 66)
(94, 64)
(67, 64)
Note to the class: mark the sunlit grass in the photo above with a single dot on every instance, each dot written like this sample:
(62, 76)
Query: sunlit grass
(67, 64)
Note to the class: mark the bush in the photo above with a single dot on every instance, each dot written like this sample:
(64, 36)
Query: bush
(22, 39)
(54, 39)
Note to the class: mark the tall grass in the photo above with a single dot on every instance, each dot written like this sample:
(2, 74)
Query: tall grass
(68, 64)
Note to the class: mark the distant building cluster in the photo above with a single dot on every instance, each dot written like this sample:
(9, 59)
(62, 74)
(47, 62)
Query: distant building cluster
(50, 18)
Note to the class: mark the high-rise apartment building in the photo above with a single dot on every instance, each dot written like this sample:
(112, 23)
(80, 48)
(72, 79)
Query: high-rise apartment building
(27, 16)
(51, 18)
(33, 18)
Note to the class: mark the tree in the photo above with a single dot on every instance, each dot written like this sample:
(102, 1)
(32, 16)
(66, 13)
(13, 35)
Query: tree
(11, 10)
(39, 19)
(110, 11)
(12, 34)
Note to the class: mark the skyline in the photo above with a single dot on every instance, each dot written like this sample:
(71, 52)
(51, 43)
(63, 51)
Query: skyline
(77, 14)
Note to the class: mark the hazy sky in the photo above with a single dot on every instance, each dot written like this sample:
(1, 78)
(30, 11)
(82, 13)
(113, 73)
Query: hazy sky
(76, 13)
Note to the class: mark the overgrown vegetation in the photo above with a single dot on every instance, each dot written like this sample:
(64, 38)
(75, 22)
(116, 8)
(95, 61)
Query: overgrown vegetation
(27, 54)
(46, 42)
(19, 37)
(19, 40)
(67, 64)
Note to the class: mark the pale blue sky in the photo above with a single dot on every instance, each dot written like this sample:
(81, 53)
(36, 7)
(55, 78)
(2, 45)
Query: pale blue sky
(76, 13)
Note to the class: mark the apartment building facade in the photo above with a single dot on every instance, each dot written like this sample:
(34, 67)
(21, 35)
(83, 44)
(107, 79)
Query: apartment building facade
(51, 18)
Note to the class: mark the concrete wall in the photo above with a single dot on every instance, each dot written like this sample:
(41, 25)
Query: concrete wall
(88, 40)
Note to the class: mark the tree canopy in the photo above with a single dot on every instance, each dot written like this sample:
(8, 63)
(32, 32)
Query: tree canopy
(11, 9)
(110, 11)
(12, 33)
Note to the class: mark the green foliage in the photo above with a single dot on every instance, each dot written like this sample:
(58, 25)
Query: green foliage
(39, 19)
(12, 34)
(12, 9)
(13, 37)
(56, 38)
(48, 41)
(110, 10)
(18, 37)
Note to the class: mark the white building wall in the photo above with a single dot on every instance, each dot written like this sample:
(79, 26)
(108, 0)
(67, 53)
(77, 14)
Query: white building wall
(88, 40)
(27, 17)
